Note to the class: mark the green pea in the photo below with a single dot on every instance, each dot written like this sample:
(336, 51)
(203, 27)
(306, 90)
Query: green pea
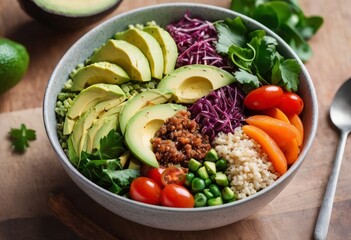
(208, 193)
(189, 178)
(200, 200)
(198, 184)
(215, 190)
(221, 164)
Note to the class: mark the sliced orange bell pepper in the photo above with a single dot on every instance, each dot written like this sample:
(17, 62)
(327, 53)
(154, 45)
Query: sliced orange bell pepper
(281, 131)
(291, 151)
(269, 146)
(276, 113)
(295, 120)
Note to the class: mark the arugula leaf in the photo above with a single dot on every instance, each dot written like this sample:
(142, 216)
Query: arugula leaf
(20, 138)
(284, 17)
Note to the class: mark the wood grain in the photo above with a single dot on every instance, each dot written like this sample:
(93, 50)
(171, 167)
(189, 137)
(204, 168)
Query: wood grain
(27, 179)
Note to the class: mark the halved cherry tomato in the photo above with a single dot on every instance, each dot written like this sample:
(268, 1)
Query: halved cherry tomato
(263, 97)
(155, 174)
(146, 190)
(291, 103)
(174, 175)
(174, 195)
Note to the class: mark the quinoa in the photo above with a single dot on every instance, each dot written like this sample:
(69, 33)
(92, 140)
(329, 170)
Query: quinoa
(178, 140)
(249, 170)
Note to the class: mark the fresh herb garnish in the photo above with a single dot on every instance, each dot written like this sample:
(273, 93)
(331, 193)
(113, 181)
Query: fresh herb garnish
(284, 17)
(20, 138)
(256, 56)
(103, 166)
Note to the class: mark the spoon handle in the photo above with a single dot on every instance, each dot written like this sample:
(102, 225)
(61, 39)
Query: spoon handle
(321, 230)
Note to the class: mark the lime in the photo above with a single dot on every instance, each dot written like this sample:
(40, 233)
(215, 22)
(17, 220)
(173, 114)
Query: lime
(14, 60)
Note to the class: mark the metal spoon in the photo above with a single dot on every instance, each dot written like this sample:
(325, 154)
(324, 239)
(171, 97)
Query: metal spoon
(340, 114)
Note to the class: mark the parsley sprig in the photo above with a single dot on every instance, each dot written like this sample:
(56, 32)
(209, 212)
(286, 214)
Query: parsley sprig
(20, 138)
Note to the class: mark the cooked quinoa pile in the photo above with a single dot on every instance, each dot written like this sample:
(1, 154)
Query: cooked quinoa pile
(249, 170)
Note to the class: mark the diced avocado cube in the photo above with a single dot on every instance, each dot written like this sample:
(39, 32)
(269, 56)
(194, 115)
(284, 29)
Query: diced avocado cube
(227, 193)
(210, 167)
(202, 173)
(211, 155)
(215, 201)
(194, 165)
(221, 179)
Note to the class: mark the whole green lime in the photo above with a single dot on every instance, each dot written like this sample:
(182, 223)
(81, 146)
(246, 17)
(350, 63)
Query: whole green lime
(14, 60)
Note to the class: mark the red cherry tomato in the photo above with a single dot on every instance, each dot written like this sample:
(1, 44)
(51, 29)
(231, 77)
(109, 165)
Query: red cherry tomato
(174, 195)
(155, 174)
(263, 97)
(291, 103)
(146, 190)
(174, 175)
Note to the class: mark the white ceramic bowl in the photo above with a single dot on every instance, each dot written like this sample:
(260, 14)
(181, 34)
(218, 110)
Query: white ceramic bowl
(158, 216)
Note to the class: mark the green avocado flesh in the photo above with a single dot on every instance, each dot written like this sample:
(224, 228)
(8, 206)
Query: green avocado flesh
(148, 45)
(126, 55)
(89, 98)
(192, 82)
(141, 100)
(100, 72)
(76, 7)
(143, 126)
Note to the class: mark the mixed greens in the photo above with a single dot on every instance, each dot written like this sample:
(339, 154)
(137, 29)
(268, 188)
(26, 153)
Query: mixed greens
(284, 17)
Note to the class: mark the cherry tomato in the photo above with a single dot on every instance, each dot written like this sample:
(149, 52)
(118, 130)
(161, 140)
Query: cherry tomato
(291, 103)
(174, 195)
(155, 174)
(174, 175)
(146, 190)
(263, 97)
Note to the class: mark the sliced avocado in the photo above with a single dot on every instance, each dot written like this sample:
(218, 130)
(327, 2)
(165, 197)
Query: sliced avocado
(148, 45)
(195, 81)
(168, 46)
(87, 99)
(126, 55)
(143, 126)
(123, 159)
(107, 120)
(141, 100)
(85, 122)
(134, 164)
(100, 72)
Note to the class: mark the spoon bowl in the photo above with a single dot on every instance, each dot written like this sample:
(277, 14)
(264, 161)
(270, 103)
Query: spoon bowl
(340, 110)
(340, 115)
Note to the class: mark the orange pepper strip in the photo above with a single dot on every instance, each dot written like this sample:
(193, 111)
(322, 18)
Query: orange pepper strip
(269, 146)
(291, 151)
(281, 132)
(295, 120)
(276, 113)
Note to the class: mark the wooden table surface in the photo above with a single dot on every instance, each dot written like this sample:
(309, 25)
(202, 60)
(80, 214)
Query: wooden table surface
(26, 182)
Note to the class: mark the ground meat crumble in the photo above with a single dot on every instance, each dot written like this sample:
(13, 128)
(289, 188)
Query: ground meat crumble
(179, 140)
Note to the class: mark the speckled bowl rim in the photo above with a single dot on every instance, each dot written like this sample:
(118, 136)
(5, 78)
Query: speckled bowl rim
(48, 111)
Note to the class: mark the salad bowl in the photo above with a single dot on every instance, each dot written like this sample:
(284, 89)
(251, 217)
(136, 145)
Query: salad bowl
(170, 217)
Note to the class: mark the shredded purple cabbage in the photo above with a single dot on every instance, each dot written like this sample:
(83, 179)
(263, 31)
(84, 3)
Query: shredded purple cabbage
(219, 111)
(195, 39)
